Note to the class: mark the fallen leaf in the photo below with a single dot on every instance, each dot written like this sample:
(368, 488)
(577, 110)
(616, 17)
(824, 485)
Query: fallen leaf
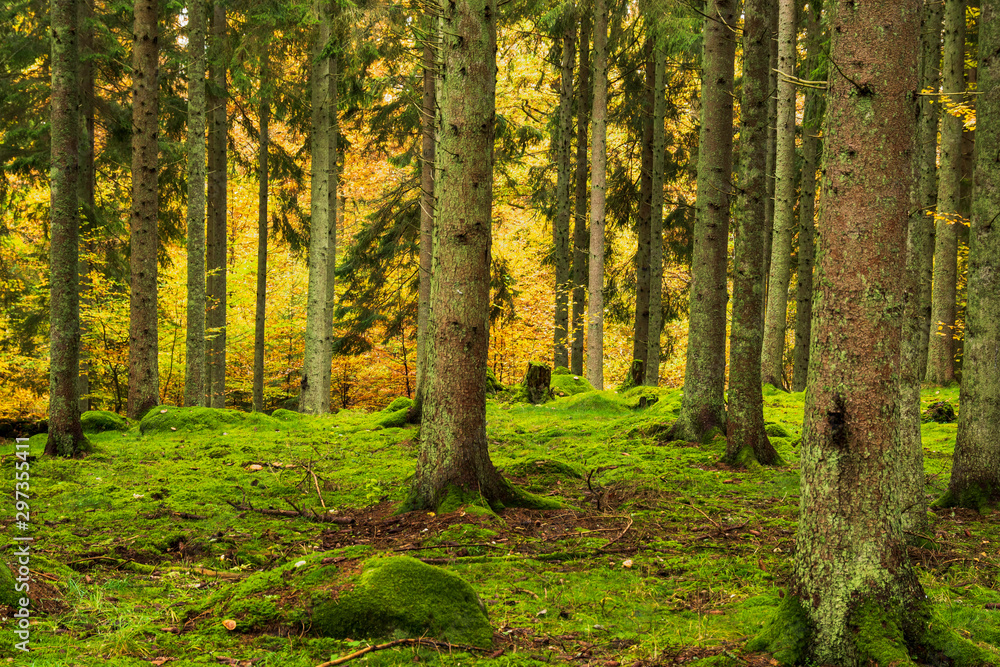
(229, 624)
(160, 661)
(627, 562)
(255, 466)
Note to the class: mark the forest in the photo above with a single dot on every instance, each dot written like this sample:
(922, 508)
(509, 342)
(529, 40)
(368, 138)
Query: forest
(599, 333)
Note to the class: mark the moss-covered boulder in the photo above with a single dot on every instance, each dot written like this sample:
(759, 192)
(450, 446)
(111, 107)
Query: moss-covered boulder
(941, 412)
(402, 597)
(565, 384)
(283, 415)
(395, 419)
(99, 421)
(398, 404)
(168, 418)
(776, 430)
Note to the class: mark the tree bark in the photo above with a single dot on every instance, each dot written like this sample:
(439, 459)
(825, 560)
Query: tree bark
(656, 224)
(703, 408)
(941, 348)
(975, 474)
(86, 183)
(453, 465)
(775, 314)
(259, 340)
(331, 256)
(772, 150)
(581, 231)
(65, 431)
(746, 440)
(311, 398)
(640, 333)
(194, 375)
(560, 226)
(143, 370)
(598, 186)
(215, 377)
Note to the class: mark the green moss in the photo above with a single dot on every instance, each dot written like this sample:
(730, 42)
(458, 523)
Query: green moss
(167, 419)
(776, 430)
(524, 467)
(398, 404)
(880, 637)
(564, 384)
(786, 635)
(284, 415)
(975, 497)
(594, 402)
(395, 419)
(403, 597)
(561, 370)
(8, 596)
(939, 640)
(98, 421)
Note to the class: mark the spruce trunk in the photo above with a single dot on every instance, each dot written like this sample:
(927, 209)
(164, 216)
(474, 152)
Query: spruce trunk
(560, 227)
(332, 177)
(581, 231)
(215, 377)
(640, 333)
(259, 340)
(656, 223)
(598, 186)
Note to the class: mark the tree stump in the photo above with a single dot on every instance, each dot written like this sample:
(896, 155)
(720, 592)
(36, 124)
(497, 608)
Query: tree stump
(536, 382)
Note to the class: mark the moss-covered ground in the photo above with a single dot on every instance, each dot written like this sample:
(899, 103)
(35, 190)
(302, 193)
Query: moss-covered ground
(195, 521)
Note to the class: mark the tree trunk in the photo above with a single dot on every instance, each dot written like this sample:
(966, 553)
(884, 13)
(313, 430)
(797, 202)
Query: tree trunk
(311, 398)
(194, 376)
(941, 348)
(215, 377)
(775, 314)
(598, 185)
(453, 465)
(86, 184)
(143, 367)
(65, 432)
(930, 78)
(331, 255)
(560, 226)
(581, 232)
(772, 148)
(746, 440)
(812, 120)
(537, 381)
(656, 224)
(703, 408)
(975, 474)
(640, 333)
(259, 340)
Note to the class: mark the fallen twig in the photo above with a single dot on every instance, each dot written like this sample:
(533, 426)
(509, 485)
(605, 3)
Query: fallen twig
(618, 537)
(323, 518)
(431, 643)
(316, 484)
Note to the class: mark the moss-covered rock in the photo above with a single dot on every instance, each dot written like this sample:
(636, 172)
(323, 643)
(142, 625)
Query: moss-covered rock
(549, 467)
(402, 597)
(594, 401)
(777, 431)
(396, 419)
(564, 384)
(98, 421)
(284, 415)
(166, 419)
(941, 412)
(401, 403)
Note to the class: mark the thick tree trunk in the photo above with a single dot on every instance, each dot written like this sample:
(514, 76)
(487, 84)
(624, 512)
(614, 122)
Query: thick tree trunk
(65, 432)
(746, 440)
(143, 368)
(311, 399)
(812, 121)
(581, 231)
(975, 474)
(598, 186)
(775, 314)
(259, 340)
(331, 253)
(656, 224)
(215, 377)
(560, 226)
(941, 348)
(194, 375)
(453, 465)
(640, 333)
(703, 408)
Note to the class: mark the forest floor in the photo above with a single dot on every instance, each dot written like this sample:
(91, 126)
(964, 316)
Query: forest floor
(660, 556)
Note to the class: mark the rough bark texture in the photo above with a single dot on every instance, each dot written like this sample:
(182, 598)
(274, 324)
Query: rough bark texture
(333, 186)
(537, 381)
(215, 377)
(975, 474)
(86, 183)
(652, 368)
(930, 79)
(598, 187)
(772, 147)
(703, 408)
(259, 341)
(560, 226)
(194, 375)
(745, 437)
(581, 232)
(640, 333)
(941, 348)
(311, 398)
(143, 363)
(812, 119)
(853, 583)
(775, 314)
(454, 460)
(65, 432)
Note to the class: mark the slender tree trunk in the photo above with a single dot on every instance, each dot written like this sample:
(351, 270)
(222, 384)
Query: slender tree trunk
(598, 185)
(215, 378)
(640, 333)
(772, 150)
(560, 226)
(311, 398)
(930, 78)
(453, 465)
(581, 231)
(812, 121)
(65, 432)
(941, 349)
(259, 341)
(975, 474)
(656, 223)
(703, 408)
(143, 370)
(86, 182)
(775, 315)
(746, 440)
(331, 266)
(194, 377)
